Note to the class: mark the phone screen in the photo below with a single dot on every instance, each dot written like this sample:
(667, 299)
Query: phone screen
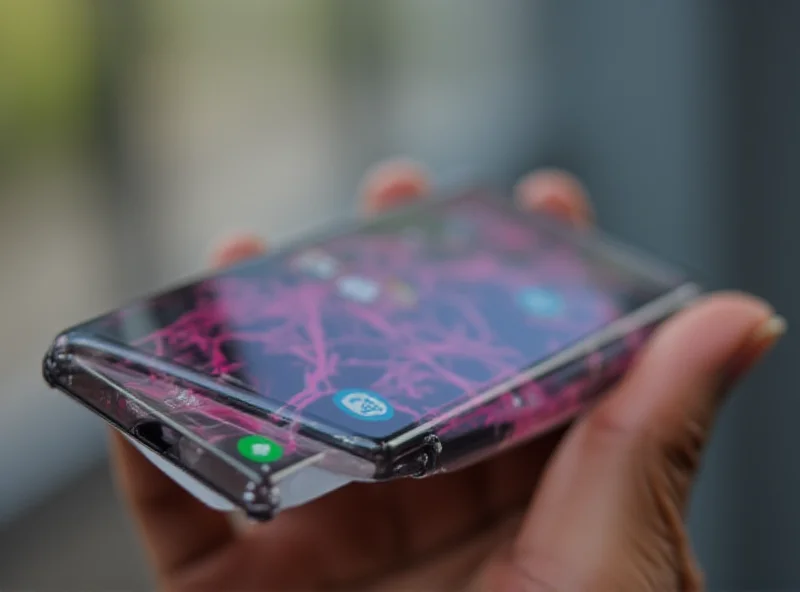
(373, 331)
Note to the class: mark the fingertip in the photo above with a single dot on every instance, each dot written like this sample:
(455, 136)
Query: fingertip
(393, 183)
(557, 193)
(691, 362)
(706, 336)
(717, 319)
(759, 330)
(234, 250)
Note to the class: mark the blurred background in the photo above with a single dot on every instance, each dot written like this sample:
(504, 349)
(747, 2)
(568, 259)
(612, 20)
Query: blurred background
(134, 133)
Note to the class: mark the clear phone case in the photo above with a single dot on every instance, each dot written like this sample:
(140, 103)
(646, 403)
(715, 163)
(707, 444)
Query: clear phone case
(416, 344)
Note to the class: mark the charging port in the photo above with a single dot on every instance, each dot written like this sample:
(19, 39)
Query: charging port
(157, 436)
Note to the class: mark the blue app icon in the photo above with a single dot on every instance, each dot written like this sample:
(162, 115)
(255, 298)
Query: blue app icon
(363, 405)
(541, 302)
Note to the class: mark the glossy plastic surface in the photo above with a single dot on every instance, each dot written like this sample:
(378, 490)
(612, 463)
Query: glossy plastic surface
(413, 344)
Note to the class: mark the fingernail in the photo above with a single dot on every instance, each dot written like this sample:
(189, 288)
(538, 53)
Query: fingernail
(237, 249)
(763, 339)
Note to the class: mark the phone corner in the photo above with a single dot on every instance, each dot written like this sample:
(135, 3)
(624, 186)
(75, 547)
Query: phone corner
(57, 358)
(689, 292)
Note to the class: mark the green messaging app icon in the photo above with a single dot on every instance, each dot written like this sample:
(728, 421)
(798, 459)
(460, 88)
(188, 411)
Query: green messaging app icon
(259, 449)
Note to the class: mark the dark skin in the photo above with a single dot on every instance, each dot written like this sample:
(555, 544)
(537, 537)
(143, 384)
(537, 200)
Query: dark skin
(598, 506)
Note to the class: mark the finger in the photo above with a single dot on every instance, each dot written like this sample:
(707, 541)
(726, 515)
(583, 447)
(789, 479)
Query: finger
(400, 522)
(557, 193)
(609, 513)
(392, 184)
(237, 249)
(177, 528)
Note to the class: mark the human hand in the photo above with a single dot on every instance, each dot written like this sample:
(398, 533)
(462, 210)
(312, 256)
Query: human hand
(599, 506)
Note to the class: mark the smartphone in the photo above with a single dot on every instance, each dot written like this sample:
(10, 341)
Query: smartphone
(419, 342)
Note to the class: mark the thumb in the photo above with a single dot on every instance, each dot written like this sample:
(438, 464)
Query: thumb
(610, 510)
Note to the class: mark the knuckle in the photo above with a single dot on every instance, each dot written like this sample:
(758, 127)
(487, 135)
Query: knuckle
(677, 439)
(519, 571)
(606, 427)
(668, 448)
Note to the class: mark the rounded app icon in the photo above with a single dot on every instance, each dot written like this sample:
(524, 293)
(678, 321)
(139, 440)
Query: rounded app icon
(317, 263)
(402, 293)
(363, 405)
(259, 449)
(541, 302)
(358, 289)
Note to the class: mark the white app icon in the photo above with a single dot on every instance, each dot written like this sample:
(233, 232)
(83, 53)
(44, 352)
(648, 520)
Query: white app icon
(261, 449)
(318, 263)
(364, 405)
(358, 289)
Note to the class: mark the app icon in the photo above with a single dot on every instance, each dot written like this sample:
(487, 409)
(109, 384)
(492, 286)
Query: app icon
(363, 405)
(317, 263)
(358, 289)
(259, 449)
(402, 293)
(541, 302)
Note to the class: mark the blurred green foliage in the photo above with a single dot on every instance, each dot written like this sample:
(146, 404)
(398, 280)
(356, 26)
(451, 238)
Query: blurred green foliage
(269, 32)
(49, 56)
(46, 77)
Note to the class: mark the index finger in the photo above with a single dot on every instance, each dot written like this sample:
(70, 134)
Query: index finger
(551, 191)
(557, 193)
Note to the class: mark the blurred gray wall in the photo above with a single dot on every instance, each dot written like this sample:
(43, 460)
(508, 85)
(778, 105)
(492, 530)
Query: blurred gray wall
(682, 117)
(764, 182)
